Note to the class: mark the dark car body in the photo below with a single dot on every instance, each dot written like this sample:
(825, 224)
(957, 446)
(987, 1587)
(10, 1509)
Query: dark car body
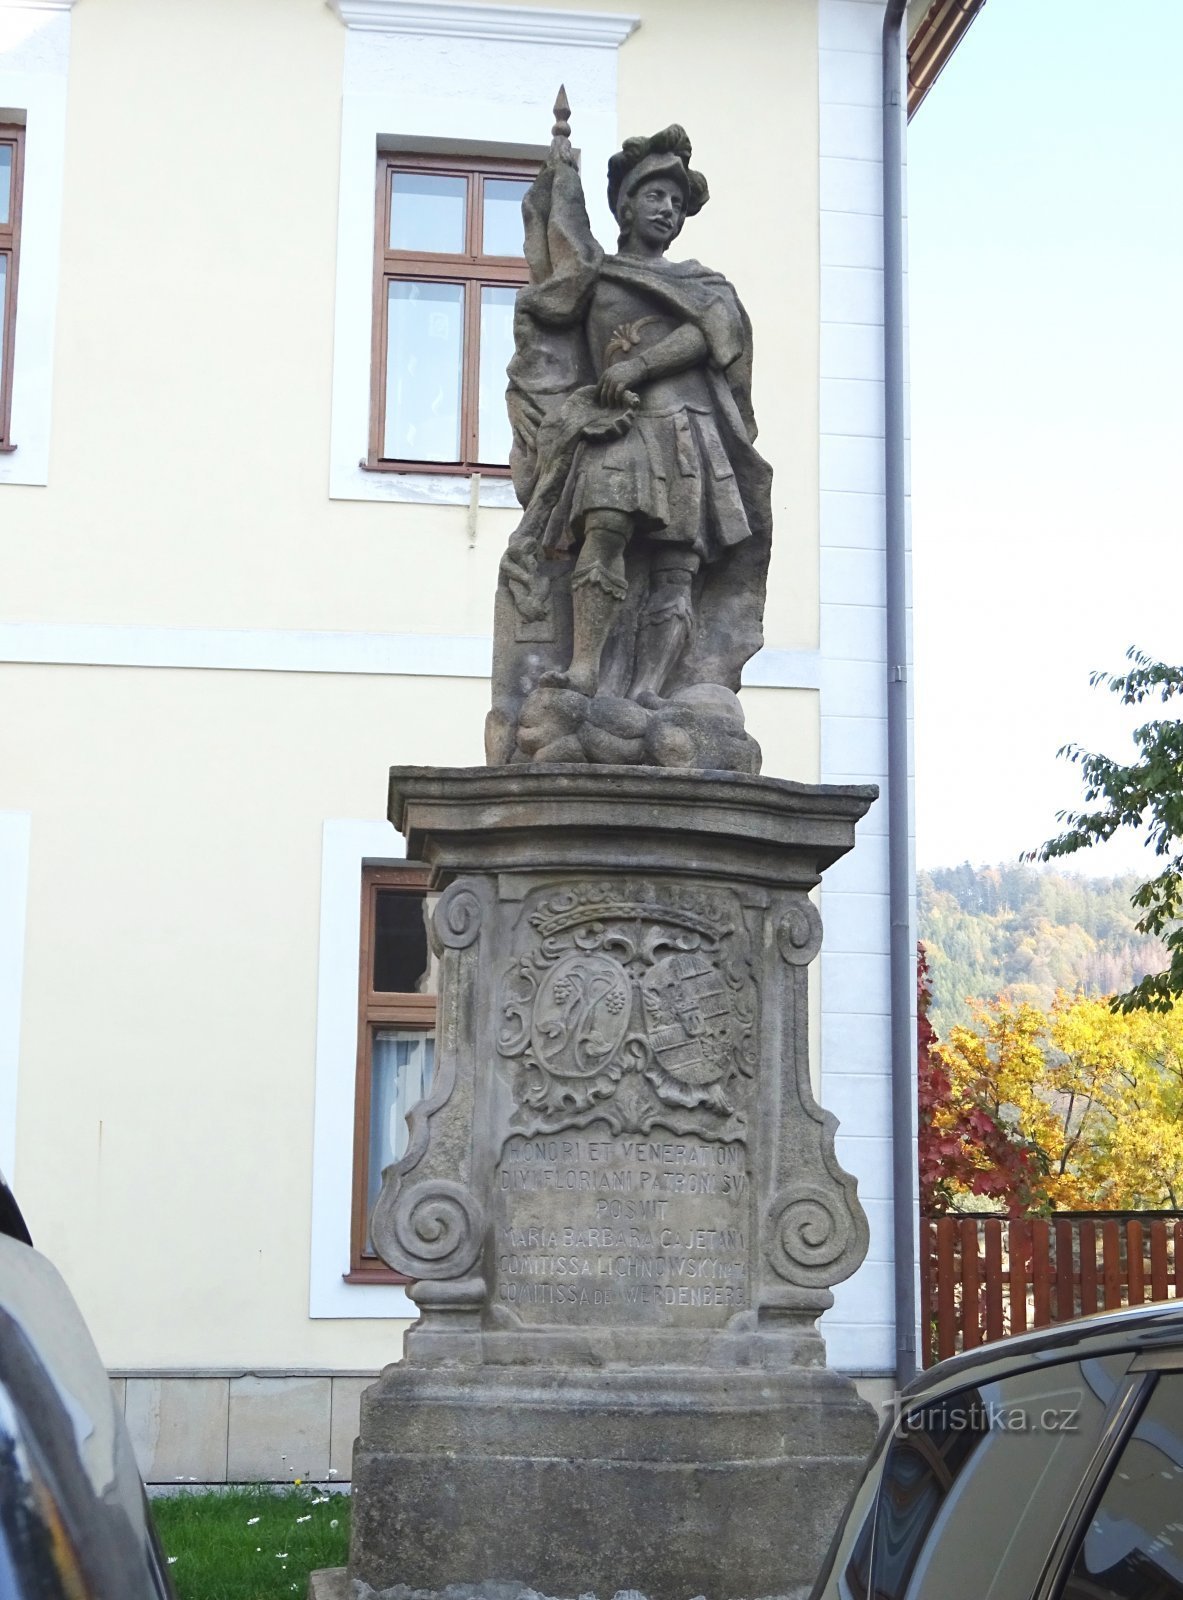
(74, 1520)
(1048, 1466)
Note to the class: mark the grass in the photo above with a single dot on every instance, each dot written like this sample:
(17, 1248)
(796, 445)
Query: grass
(251, 1543)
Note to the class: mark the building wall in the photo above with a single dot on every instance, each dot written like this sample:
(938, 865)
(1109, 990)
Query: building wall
(213, 655)
(856, 1000)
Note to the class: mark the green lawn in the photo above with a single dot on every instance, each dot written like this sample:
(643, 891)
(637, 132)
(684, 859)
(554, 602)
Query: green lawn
(251, 1543)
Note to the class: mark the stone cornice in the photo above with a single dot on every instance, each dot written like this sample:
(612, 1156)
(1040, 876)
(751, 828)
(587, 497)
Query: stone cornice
(520, 24)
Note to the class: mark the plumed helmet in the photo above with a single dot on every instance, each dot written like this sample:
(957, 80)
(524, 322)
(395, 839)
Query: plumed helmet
(666, 153)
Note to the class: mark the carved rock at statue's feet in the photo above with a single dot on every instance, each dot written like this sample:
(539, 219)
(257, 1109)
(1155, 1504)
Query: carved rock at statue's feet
(699, 728)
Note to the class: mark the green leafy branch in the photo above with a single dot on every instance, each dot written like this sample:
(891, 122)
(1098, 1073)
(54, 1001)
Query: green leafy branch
(1146, 794)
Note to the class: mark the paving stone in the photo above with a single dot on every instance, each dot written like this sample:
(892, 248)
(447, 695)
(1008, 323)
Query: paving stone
(279, 1429)
(347, 1393)
(178, 1427)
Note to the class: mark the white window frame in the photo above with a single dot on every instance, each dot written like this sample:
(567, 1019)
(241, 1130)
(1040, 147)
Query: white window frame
(347, 846)
(434, 76)
(34, 60)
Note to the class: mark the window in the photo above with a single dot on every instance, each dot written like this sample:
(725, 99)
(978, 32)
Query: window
(12, 154)
(970, 1485)
(396, 1041)
(1133, 1545)
(448, 265)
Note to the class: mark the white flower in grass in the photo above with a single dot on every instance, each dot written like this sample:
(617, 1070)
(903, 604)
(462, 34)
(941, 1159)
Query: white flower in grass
(172, 1561)
(281, 1555)
(308, 1518)
(333, 1524)
(250, 1521)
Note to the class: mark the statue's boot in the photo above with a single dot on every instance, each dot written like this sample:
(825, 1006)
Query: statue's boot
(598, 589)
(665, 625)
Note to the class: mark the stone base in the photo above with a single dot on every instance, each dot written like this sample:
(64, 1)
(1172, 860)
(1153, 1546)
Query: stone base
(700, 727)
(672, 1483)
(330, 1583)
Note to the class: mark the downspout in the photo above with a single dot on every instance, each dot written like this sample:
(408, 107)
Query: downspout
(899, 806)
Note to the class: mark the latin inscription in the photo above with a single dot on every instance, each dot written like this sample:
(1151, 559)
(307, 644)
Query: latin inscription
(622, 1228)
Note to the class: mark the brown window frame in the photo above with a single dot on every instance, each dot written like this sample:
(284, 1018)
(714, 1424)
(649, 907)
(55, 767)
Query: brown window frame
(10, 243)
(378, 1008)
(470, 269)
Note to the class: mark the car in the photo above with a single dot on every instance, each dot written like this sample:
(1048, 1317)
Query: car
(74, 1518)
(1047, 1466)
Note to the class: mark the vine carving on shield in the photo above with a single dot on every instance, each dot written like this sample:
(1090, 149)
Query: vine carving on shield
(634, 1003)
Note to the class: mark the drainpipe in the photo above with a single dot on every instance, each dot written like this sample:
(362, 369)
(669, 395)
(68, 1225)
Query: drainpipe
(899, 806)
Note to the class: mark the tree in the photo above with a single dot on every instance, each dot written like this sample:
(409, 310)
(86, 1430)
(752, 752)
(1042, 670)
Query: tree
(1146, 794)
(964, 1147)
(1138, 1161)
(1076, 1108)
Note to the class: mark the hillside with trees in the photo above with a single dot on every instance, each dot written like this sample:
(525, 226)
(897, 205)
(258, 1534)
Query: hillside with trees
(1026, 933)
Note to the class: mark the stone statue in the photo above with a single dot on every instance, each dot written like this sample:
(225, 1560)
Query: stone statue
(632, 591)
(620, 1207)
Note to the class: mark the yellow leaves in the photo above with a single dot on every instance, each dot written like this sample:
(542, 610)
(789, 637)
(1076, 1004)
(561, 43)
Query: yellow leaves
(1094, 1096)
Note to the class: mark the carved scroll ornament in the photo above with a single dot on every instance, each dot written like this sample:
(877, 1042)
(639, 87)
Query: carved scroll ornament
(431, 1229)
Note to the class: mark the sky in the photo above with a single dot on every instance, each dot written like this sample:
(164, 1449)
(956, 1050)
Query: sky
(1045, 202)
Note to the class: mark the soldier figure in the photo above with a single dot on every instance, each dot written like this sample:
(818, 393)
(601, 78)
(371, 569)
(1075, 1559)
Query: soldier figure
(630, 396)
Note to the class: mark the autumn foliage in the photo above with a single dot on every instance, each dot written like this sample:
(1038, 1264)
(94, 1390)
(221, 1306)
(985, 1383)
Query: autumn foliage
(964, 1147)
(1029, 1111)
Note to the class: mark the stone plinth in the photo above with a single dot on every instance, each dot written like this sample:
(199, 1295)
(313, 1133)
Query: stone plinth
(620, 1201)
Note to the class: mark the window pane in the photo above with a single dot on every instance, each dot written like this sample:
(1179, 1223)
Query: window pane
(1134, 1543)
(494, 435)
(427, 213)
(5, 183)
(401, 1066)
(3, 305)
(503, 230)
(400, 942)
(972, 1483)
(424, 344)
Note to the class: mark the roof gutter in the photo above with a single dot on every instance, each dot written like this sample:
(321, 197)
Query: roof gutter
(899, 806)
(942, 30)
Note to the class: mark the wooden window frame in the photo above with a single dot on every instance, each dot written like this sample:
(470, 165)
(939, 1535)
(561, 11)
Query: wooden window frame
(471, 270)
(10, 241)
(378, 1008)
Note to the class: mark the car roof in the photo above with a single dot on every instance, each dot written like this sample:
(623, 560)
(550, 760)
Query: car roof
(1133, 1328)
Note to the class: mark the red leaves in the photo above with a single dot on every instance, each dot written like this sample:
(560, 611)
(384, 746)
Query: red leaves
(962, 1145)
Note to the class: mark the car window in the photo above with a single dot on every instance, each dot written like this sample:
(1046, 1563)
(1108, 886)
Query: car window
(12, 1224)
(1133, 1545)
(973, 1487)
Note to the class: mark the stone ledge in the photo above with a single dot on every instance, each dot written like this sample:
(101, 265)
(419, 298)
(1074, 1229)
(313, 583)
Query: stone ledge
(333, 1583)
(725, 825)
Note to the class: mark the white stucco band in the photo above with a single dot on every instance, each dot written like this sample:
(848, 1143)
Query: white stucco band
(34, 57)
(288, 650)
(454, 77)
(855, 1002)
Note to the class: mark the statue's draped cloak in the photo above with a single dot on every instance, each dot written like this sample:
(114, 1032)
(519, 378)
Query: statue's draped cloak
(553, 409)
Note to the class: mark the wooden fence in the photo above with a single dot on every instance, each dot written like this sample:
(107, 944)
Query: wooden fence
(984, 1278)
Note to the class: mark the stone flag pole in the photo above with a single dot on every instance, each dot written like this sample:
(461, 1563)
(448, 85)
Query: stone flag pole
(620, 1205)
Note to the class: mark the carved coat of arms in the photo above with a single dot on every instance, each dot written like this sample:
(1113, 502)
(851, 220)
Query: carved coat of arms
(631, 1003)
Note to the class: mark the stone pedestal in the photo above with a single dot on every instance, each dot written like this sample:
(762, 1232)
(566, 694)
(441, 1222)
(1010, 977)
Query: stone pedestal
(620, 1203)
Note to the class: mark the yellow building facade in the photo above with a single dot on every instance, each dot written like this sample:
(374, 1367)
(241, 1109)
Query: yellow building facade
(219, 628)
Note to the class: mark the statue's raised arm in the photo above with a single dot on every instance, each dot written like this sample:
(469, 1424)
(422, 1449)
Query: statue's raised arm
(632, 591)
